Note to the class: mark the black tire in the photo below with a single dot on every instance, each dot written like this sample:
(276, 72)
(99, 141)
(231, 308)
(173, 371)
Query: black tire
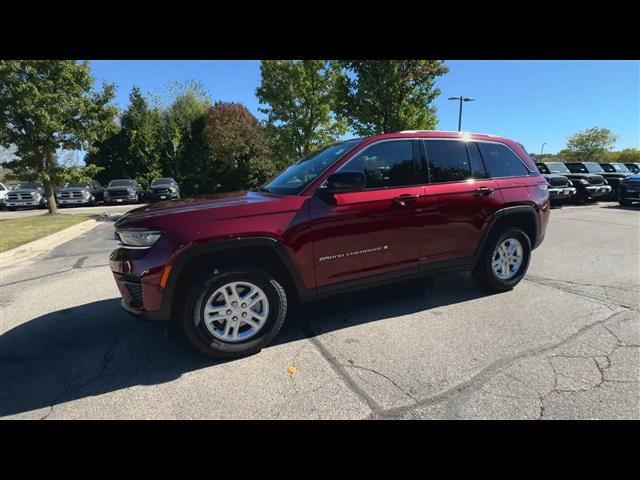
(622, 201)
(483, 271)
(202, 339)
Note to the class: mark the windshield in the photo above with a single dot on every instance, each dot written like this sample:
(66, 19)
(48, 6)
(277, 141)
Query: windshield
(29, 186)
(78, 185)
(593, 167)
(122, 183)
(619, 167)
(296, 177)
(162, 181)
(557, 167)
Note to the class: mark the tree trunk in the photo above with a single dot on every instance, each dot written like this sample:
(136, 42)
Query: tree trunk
(48, 187)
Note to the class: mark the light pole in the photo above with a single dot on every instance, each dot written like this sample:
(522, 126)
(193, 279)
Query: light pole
(541, 150)
(461, 99)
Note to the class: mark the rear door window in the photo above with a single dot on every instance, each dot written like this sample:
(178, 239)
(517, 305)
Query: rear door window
(448, 161)
(501, 162)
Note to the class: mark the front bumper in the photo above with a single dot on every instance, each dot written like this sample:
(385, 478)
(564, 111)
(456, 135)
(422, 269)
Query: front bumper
(137, 274)
(22, 203)
(73, 201)
(597, 191)
(159, 197)
(128, 198)
(629, 194)
(561, 193)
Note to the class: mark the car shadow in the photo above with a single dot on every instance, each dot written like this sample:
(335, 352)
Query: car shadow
(97, 348)
(633, 207)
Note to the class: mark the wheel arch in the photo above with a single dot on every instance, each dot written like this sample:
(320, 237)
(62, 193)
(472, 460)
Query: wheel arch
(523, 216)
(197, 261)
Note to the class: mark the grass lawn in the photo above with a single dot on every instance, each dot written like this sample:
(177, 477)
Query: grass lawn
(18, 231)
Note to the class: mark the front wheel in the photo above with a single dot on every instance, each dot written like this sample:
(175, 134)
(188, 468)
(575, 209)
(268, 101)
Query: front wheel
(504, 260)
(622, 201)
(235, 311)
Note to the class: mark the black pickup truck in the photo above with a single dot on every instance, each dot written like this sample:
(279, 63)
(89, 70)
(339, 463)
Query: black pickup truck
(589, 186)
(615, 173)
(612, 178)
(561, 189)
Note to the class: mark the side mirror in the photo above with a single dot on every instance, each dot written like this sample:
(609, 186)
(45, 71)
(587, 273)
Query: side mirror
(343, 182)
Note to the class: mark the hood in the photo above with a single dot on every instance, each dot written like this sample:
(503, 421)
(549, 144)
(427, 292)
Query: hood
(110, 189)
(26, 190)
(222, 204)
(161, 187)
(74, 189)
(555, 179)
(616, 174)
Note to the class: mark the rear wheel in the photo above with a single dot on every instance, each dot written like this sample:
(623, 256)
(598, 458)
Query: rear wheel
(504, 260)
(235, 311)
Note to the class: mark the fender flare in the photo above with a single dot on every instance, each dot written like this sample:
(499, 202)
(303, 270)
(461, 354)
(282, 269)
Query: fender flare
(192, 252)
(528, 209)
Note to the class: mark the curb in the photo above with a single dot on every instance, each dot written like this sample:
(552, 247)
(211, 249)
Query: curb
(34, 249)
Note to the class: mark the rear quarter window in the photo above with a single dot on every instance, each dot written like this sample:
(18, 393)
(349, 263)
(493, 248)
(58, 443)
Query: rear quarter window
(500, 161)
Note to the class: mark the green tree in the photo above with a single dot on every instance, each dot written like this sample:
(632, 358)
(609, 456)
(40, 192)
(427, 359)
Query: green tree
(381, 96)
(590, 145)
(48, 105)
(136, 150)
(299, 99)
(185, 152)
(628, 155)
(239, 148)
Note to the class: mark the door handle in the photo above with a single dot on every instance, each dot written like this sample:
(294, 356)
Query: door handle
(483, 191)
(403, 199)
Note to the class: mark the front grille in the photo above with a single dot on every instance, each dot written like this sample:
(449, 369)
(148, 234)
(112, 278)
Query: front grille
(135, 290)
(19, 196)
(118, 193)
(558, 182)
(161, 191)
(71, 195)
(596, 180)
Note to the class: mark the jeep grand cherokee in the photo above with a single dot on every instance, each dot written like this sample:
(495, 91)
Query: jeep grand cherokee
(357, 213)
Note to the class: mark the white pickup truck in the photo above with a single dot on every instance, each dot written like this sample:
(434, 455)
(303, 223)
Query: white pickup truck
(3, 194)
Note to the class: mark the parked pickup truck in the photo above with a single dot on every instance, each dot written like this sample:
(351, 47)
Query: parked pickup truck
(26, 195)
(629, 191)
(561, 189)
(633, 167)
(589, 186)
(123, 191)
(84, 193)
(614, 173)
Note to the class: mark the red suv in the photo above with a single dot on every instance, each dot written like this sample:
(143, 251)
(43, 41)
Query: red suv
(357, 213)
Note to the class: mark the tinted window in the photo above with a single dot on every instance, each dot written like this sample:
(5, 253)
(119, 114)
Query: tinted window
(448, 161)
(502, 162)
(593, 167)
(543, 168)
(620, 167)
(387, 164)
(122, 183)
(477, 166)
(607, 167)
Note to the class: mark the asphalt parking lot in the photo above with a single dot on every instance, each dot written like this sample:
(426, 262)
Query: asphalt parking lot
(565, 344)
(98, 210)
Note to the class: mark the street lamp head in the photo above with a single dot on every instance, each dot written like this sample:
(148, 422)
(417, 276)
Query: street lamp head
(467, 99)
(454, 98)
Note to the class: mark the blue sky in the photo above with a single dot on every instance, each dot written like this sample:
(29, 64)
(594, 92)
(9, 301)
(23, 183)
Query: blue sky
(529, 101)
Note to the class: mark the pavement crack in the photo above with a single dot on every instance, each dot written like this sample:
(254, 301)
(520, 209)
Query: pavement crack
(390, 380)
(106, 360)
(478, 380)
(341, 371)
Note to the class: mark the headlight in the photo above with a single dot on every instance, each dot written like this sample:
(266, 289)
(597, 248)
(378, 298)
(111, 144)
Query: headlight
(86, 193)
(172, 190)
(138, 238)
(36, 195)
(58, 194)
(130, 190)
(583, 181)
